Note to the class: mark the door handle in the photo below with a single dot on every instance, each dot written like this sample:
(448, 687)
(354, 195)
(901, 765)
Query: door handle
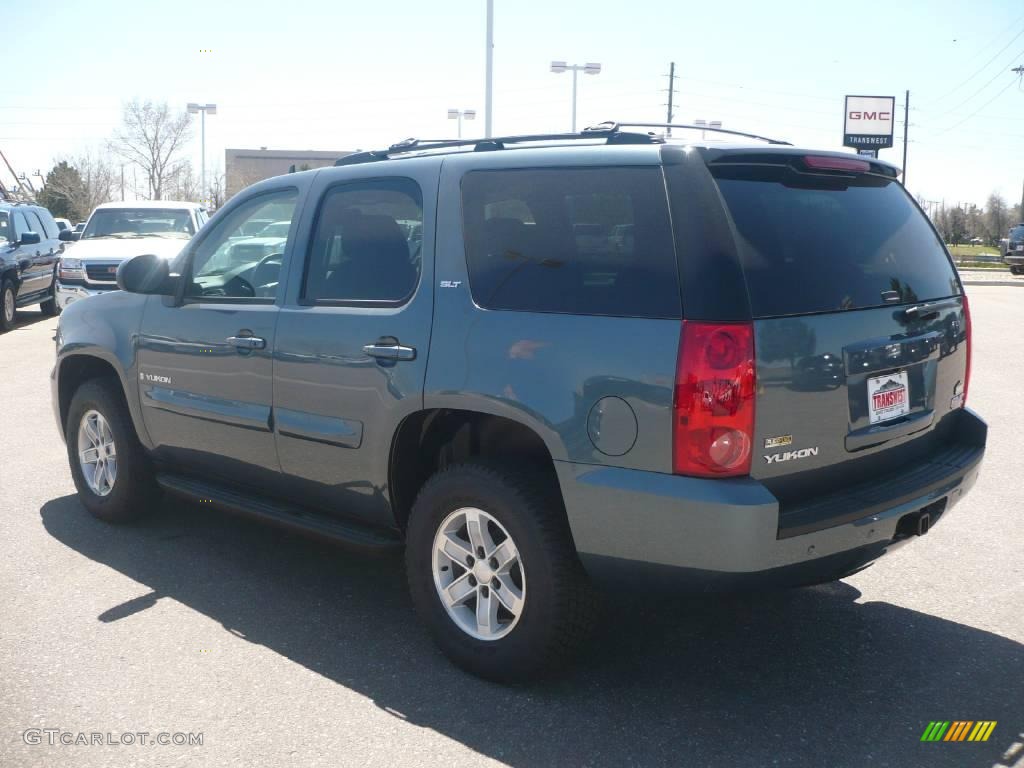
(390, 351)
(247, 342)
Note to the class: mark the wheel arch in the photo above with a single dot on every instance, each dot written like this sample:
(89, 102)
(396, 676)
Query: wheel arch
(73, 370)
(431, 439)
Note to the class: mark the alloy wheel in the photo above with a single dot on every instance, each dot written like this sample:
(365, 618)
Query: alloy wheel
(478, 574)
(97, 453)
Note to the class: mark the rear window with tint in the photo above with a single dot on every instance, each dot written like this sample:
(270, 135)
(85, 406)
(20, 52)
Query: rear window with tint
(1017, 233)
(824, 246)
(582, 241)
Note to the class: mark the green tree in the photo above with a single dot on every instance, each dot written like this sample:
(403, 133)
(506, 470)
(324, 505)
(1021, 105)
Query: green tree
(63, 191)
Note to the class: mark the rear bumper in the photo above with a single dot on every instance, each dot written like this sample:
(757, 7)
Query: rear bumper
(725, 533)
(1014, 258)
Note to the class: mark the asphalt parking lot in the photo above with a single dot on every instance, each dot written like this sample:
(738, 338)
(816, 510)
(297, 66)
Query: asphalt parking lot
(283, 651)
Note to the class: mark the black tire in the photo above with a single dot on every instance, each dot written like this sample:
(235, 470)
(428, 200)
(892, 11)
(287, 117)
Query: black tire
(1015, 270)
(134, 491)
(560, 607)
(49, 307)
(7, 320)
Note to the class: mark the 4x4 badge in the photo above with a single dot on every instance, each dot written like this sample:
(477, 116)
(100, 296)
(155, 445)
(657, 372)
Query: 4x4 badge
(778, 441)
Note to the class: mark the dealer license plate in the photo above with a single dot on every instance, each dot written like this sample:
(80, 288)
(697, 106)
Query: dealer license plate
(888, 397)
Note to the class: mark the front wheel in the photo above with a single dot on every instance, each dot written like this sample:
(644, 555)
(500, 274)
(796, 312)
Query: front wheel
(108, 464)
(494, 575)
(7, 304)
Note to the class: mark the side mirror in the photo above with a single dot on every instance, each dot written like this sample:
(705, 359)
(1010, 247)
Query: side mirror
(29, 238)
(148, 274)
(66, 235)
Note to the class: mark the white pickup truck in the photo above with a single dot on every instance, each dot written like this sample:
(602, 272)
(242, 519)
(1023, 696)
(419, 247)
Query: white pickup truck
(116, 232)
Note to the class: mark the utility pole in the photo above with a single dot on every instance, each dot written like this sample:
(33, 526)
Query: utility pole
(906, 124)
(1019, 71)
(671, 92)
(122, 182)
(489, 74)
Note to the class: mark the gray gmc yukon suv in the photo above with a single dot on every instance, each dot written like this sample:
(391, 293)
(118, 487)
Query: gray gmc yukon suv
(455, 349)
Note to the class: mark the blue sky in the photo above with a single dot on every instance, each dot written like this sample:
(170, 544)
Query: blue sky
(313, 74)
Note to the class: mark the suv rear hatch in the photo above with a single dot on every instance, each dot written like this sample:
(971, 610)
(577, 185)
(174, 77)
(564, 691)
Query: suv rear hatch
(861, 335)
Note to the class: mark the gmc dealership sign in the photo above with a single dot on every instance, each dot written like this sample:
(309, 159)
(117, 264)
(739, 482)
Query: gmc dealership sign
(868, 122)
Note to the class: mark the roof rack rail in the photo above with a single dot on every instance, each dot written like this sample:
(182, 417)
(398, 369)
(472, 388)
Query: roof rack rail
(608, 131)
(617, 126)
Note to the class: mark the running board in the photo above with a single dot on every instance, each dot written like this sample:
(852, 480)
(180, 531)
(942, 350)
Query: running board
(280, 514)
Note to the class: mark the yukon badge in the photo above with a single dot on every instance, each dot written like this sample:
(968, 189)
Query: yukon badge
(803, 453)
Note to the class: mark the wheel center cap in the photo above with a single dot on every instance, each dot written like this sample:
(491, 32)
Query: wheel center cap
(482, 571)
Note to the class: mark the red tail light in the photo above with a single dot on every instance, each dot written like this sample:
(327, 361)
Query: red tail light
(967, 334)
(713, 428)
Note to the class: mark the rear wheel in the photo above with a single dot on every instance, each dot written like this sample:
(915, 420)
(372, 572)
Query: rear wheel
(1016, 270)
(7, 309)
(49, 307)
(108, 464)
(494, 575)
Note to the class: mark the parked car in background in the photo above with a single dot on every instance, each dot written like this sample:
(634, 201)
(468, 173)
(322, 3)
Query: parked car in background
(63, 224)
(522, 407)
(118, 231)
(30, 245)
(1014, 255)
(79, 227)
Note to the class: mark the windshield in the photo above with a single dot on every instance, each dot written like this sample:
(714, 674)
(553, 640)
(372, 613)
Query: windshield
(277, 229)
(139, 222)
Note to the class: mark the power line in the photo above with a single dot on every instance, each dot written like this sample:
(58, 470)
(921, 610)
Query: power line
(986, 64)
(995, 77)
(957, 125)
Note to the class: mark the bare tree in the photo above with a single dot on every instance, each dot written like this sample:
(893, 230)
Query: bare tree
(217, 193)
(152, 137)
(996, 218)
(183, 184)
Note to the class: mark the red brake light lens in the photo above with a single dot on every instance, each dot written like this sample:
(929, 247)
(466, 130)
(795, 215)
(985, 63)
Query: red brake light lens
(713, 412)
(967, 334)
(826, 163)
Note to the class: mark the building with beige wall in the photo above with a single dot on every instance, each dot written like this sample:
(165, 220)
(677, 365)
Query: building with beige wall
(243, 167)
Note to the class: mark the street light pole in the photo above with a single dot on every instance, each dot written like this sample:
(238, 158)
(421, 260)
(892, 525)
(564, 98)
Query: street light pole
(591, 68)
(489, 76)
(458, 114)
(193, 108)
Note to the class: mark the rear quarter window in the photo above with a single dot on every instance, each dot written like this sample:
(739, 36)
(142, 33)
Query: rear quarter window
(825, 245)
(581, 241)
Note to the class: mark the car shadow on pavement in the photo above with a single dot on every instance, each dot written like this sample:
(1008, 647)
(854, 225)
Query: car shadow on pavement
(804, 677)
(28, 318)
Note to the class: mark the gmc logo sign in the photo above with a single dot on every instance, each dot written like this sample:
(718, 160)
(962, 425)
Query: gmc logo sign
(871, 115)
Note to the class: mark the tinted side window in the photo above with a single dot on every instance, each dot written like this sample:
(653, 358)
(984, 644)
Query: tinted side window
(34, 224)
(5, 228)
(367, 243)
(21, 225)
(232, 262)
(583, 241)
(823, 246)
(49, 225)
